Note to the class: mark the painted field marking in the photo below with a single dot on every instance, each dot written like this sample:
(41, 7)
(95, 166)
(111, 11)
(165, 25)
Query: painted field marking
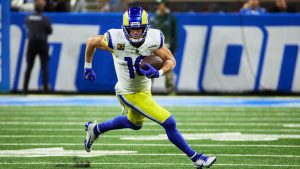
(59, 151)
(151, 145)
(153, 164)
(163, 100)
(151, 130)
(233, 136)
(292, 125)
(178, 119)
(198, 111)
(116, 110)
(146, 123)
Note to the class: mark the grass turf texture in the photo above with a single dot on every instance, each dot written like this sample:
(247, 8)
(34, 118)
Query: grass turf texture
(41, 127)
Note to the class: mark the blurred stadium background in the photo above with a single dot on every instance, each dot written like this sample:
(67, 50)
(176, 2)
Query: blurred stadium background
(251, 59)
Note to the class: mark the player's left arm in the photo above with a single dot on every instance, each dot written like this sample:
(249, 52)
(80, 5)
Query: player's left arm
(169, 59)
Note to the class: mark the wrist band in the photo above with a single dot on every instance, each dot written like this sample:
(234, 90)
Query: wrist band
(87, 65)
(161, 72)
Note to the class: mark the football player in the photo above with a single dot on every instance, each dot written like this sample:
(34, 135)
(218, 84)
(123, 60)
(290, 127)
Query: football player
(128, 47)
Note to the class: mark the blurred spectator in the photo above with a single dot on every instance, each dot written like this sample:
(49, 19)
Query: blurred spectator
(282, 6)
(79, 6)
(252, 7)
(120, 5)
(103, 5)
(57, 6)
(38, 27)
(166, 22)
(22, 5)
(92, 6)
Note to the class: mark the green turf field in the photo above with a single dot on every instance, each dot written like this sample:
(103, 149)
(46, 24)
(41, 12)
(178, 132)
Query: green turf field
(55, 127)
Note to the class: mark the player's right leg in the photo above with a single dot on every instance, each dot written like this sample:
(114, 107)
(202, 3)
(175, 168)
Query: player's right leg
(93, 130)
(90, 136)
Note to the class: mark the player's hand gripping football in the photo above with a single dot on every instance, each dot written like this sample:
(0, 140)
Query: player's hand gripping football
(89, 74)
(150, 71)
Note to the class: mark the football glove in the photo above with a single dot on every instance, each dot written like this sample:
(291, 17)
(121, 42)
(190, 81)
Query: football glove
(150, 72)
(89, 74)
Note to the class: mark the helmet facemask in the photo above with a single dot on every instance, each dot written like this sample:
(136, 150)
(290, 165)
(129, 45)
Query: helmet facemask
(137, 37)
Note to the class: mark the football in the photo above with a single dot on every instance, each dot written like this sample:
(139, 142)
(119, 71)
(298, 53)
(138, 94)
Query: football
(154, 60)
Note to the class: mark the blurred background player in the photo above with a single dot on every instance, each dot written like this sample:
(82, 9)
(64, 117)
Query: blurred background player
(166, 22)
(252, 7)
(38, 27)
(281, 6)
(133, 88)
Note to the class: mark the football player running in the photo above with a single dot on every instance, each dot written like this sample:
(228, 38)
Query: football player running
(128, 47)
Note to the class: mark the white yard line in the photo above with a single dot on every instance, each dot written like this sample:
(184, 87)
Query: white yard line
(292, 125)
(199, 112)
(55, 136)
(179, 119)
(221, 155)
(150, 145)
(146, 123)
(218, 155)
(152, 164)
(225, 136)
(153, 130)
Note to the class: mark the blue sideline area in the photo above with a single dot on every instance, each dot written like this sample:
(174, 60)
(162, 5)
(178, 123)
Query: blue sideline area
(45, 100)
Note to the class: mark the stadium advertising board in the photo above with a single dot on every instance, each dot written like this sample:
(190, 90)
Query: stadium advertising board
(4, 45)
(217, 53)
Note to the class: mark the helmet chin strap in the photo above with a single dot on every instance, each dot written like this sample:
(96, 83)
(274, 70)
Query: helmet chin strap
(137, 42)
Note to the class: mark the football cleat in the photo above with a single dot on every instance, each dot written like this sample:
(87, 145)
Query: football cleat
(204, 161)
(90, 136)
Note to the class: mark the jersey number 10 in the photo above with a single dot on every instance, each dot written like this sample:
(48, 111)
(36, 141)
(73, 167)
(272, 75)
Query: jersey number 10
(136, 66)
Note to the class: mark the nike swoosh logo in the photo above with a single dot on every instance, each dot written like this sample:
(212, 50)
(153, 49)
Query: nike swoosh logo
(87, 76)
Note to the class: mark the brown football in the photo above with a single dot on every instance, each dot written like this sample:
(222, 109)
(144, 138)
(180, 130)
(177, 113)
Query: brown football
(154, 60)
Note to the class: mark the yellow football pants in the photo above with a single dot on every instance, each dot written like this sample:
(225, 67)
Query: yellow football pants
(140, 105)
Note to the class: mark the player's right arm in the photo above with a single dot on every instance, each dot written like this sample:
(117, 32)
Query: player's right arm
(100, 42)
(93, 43)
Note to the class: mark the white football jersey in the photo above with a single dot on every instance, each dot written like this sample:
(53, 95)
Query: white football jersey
(127, 59)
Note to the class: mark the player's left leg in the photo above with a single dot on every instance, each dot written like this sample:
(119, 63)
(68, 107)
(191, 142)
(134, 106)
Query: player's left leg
(199, 160)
